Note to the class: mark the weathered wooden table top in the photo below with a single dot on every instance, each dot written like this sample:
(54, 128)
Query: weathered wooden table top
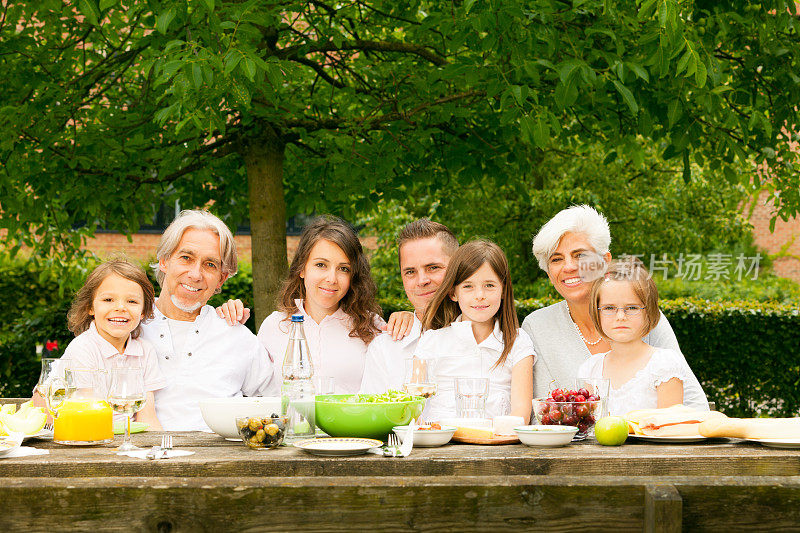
(217, 457)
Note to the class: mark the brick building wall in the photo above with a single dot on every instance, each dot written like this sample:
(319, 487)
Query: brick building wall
(783, 244)
(143, 246)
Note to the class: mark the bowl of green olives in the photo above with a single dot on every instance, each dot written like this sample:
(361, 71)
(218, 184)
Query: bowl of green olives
(262, 432)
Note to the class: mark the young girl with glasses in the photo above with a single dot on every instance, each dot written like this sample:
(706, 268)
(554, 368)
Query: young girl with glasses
(624, 308)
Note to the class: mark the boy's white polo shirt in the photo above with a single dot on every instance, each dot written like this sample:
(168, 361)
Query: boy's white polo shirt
(90, 350)
(334, 352)
(457, 354)
(385, 365)
(215, 361)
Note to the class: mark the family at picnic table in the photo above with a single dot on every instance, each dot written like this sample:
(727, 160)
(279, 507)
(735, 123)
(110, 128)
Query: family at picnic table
(608, 324)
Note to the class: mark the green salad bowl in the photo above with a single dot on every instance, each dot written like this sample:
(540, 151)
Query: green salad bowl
(338, 418)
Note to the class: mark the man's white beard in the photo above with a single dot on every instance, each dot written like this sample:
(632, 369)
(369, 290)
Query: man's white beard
(183, 307)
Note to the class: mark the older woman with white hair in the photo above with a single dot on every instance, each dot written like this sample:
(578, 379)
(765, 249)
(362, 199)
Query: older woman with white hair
(572, 248)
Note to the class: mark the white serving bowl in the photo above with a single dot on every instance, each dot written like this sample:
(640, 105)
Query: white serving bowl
(220, 413)
(545, 435)
(427, 438)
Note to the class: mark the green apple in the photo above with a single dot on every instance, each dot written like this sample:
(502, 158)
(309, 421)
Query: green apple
(611, 430)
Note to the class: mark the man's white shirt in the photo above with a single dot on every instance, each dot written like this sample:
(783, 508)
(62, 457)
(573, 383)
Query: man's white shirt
(213, 360)
(385, 364)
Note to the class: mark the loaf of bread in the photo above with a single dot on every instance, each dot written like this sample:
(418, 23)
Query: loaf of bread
(752, 428)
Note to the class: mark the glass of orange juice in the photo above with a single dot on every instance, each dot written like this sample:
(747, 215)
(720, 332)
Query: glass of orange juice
(81, 414)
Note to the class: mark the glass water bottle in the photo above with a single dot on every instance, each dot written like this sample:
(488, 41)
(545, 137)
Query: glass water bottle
(297, 392)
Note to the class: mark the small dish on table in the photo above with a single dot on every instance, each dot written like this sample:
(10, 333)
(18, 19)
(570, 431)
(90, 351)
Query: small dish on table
(549, 436)
(429, 436)
(9, 444)
(258, 433)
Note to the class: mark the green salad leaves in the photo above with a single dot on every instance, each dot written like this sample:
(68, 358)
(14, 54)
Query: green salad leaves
(392, 396)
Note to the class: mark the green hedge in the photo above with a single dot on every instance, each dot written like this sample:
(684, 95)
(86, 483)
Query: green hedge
(744, 353)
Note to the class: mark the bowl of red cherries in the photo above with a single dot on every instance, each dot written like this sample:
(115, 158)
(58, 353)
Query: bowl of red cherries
(566, 407)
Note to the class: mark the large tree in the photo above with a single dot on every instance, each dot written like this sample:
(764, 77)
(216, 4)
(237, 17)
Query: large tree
(108, 106)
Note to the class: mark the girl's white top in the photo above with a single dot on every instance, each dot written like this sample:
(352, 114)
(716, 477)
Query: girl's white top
(639, 392)
(455, 353)
(91, 351)
(334, 352)
(561, 351)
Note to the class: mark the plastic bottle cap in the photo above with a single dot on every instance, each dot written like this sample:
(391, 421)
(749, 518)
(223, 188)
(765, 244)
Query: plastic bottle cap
(297, 318)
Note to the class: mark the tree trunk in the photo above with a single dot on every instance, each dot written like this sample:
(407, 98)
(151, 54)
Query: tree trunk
(263, 158)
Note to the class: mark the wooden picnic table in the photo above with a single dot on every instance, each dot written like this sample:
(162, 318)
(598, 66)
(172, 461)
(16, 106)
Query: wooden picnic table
(715, 485)
(225, 487)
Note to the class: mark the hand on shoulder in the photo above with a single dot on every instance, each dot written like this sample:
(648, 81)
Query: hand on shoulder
(234, 312)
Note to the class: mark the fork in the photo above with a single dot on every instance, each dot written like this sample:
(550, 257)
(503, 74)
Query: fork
(393, 445)
(166, 445)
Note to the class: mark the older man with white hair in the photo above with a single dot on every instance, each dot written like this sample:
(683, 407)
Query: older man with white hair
(199, 353)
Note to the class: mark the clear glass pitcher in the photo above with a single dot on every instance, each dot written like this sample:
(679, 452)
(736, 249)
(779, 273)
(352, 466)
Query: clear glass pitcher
(81, 413)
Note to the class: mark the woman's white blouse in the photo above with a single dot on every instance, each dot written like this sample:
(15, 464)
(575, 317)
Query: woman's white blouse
(455, 353)
(640, 392)
(334, 352)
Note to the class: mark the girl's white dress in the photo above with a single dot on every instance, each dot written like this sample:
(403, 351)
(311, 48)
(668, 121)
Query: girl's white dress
(639, 392)
(455, 353)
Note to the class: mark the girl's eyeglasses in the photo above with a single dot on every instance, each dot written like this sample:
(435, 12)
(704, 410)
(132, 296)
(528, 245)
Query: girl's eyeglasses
(629, 310)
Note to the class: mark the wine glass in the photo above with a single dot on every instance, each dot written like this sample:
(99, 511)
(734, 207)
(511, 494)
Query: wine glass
(418, 380)
(126, 395)
(52, 368)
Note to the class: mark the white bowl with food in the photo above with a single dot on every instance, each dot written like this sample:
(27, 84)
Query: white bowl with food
(545, 435)
(220, 413)
(427, 436)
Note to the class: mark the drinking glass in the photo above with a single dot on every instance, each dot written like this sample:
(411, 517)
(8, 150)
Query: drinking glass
(598, 386)
(52, 367)
(126, 395)
(471, 394)
(418, 379)
(325, 384)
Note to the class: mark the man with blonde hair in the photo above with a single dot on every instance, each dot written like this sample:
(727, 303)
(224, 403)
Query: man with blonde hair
(201, 356)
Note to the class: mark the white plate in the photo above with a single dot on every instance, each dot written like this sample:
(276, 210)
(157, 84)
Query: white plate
(7, 446)
(669, 439)
(778, 443)
(44, 434)
(337, 446)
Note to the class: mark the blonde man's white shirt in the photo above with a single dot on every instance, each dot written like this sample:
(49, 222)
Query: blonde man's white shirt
(385, 366)
(334, 352)
(456, 353)
(209, 359)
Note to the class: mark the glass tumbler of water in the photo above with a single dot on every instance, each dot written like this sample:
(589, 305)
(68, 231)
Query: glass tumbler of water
(471, 396)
